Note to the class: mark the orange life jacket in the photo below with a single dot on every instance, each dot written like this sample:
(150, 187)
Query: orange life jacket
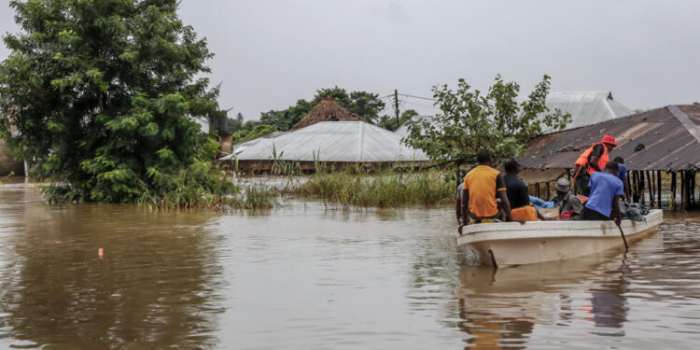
(582, 160)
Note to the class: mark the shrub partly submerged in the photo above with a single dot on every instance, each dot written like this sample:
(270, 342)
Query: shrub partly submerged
(387, 189)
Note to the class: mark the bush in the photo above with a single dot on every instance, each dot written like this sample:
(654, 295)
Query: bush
(103, 95)
(382, 190)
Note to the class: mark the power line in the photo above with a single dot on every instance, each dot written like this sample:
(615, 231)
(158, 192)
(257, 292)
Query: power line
(418, 97)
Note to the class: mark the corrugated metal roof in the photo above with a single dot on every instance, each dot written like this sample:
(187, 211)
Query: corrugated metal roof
(587, 107)
(341, 141)
(652, 140)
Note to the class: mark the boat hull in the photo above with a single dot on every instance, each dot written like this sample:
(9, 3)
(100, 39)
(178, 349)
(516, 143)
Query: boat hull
(504, 244)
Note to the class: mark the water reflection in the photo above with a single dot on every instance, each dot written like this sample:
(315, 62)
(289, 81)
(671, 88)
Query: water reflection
(608, 304)
(501, 308)
(155, 287)
(305, 276)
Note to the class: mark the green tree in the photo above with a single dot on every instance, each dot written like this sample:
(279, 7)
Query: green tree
(469, 121)
(102, 95)
(285, 119)
(389, 122)
(365, 104)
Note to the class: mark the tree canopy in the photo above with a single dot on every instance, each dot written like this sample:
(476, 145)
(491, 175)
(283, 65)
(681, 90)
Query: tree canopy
(365, 104)
(102, 94)
(469, 121)
(389, 122)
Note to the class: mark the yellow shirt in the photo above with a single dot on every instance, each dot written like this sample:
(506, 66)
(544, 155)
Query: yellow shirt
(482, 184)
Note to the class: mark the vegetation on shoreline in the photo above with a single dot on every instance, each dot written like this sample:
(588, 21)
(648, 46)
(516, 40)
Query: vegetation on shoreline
(255, 197)
(382, 190)
(102, 97)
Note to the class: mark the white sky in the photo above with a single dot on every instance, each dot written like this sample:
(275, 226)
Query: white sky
(269, 53)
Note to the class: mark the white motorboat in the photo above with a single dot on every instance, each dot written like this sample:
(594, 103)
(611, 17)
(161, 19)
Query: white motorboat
(513, 243)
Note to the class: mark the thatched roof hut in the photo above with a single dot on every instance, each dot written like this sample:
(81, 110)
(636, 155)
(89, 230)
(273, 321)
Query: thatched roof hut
(326, 111)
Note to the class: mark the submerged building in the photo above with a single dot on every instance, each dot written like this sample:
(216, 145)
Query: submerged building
(329, 134)
(587, 107)
(660, 147)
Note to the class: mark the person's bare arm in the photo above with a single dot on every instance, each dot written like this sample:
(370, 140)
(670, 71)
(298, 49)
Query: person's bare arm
(505, 205)
(595, 157)
(616, 214)
(458, 205)
(464, 210)
(503, 196)
(577, 172)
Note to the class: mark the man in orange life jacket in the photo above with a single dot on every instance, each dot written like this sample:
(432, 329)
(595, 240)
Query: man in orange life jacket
(591, 160)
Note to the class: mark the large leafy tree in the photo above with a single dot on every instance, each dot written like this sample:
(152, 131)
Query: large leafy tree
(102, 94)
(469, 121)
(365, 104)
(389, 122)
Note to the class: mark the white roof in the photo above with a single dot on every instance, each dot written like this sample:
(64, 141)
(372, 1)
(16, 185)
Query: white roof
(332, 141)
(587, 107)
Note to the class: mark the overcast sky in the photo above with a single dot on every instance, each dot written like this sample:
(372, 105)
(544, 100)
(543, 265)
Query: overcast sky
(271, 53)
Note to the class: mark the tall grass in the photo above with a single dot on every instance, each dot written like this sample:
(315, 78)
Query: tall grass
(255, 197)
(382, 190)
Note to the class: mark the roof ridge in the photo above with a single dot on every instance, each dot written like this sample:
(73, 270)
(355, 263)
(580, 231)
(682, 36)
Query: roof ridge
(683, 118)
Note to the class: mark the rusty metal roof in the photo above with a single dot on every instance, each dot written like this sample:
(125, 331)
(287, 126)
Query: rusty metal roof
(667, 138)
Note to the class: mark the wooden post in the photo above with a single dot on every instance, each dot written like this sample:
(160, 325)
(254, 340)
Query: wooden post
(691, 188)
(549, 195)
(688, 189)
(628, 187)
(683, 190)
(658, 187)
(537, 189)
(633, 188)
(652, 188)
(642, 187)
(650, 181)
(674, 187)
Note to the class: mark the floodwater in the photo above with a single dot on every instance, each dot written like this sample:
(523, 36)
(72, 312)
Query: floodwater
(309, 277)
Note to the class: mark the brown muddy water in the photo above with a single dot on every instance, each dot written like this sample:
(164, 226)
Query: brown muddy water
(305, 277)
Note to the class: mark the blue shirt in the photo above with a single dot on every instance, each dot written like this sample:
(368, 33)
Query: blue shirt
(604, 187)
(623, 172)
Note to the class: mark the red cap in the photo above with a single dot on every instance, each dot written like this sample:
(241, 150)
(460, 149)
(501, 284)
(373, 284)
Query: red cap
(609, 139)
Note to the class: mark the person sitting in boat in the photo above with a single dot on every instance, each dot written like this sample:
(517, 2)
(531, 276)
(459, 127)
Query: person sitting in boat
(570, 206)
(592, 160)
(606, 191)
(483, 187)
(516, 190)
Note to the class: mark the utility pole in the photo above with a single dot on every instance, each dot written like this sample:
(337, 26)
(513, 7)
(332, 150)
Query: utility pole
(396, 108)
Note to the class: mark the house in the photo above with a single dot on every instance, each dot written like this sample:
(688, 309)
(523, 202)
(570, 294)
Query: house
(587, 107)
(662, 143)
(329, 134)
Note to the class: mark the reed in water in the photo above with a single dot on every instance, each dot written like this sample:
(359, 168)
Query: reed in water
(382, 190)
